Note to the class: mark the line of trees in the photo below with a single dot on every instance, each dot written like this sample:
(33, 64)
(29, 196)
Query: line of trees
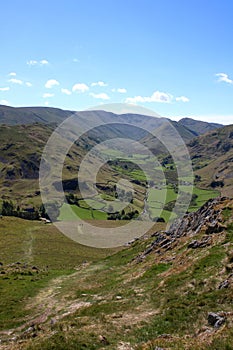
(9, 209)
(122, 215)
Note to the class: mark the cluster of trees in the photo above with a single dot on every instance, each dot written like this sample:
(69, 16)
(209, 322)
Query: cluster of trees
(122, 215)
(72, 199)
(9, 209)
(125, 196)
(218, 183)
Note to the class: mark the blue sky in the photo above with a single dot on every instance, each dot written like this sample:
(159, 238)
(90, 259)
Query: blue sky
(172, 56)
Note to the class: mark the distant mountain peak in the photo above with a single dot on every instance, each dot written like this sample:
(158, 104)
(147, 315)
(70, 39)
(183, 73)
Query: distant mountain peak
(198, 126)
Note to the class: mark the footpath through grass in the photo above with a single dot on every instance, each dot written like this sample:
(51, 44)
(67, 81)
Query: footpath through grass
(31, 255)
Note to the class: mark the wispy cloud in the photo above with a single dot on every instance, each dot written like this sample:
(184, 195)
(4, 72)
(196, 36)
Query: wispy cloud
(99, 83)
(157, 96)
(80, 88)
(223, 77)
(51, 83)
(12, 74)
(101, 96)
(182, 99)
(16, 81)
(66, 91)
(28, 84)
(47, 95)
(44, 62)
(121, 90)
(5, 88)
(4, 102)
(37, 63)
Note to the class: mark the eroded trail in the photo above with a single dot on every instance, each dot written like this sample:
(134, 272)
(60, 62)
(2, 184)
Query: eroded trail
(51, 304)
(28, 246)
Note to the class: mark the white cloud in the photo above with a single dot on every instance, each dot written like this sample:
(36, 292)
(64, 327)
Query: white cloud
(99, 83)
(47, 95)
(102, 96)
(4, 102)
(80, 87)
(15, 81)
(12, 74)
(182, 99)
(75, 60)
(66, 91)
(32, 63)
(35, 62)
(43, 62)
(28, 84)
(5, 88)
(157, 96)
(224, 77)
(122, 90)
(46, 103)
(51, 83)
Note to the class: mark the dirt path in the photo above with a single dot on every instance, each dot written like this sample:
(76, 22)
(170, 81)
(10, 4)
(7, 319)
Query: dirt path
(28, 246)
(51, 304)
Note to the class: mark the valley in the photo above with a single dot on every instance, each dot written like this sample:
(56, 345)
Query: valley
(157, 289)
(22, 146)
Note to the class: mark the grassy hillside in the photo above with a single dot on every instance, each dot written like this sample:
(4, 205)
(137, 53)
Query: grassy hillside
(30, 115)
(212, 157)
(21, 150)
(157, 293)
(197, 126)
(32, 254)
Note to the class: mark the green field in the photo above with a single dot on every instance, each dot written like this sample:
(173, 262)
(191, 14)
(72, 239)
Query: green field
(80, 213)
(158, 197)
(32, 254)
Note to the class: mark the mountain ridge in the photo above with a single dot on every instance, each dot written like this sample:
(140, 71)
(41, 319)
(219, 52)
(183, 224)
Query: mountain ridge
(199, 127)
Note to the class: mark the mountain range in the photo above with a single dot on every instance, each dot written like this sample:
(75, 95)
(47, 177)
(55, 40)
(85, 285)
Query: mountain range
(25, 131)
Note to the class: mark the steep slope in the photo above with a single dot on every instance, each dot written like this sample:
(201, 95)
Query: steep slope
(212, 156)
(167, 290)
(198, 127)
(166, 129)
(21, 149)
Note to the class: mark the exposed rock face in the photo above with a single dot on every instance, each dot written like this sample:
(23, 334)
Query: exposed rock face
(207, 216)
(227, 282)
(215, 320)
(200, 244)
(207, 219)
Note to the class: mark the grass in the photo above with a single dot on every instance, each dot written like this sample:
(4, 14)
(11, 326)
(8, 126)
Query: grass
(16, 288)
(170, 292)
(34, 244)
(158, 197)
(78, 213)
(183, 308)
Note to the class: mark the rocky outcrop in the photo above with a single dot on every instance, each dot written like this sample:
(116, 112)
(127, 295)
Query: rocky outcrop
(207, 219)
(216, 320)
(200, 244)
